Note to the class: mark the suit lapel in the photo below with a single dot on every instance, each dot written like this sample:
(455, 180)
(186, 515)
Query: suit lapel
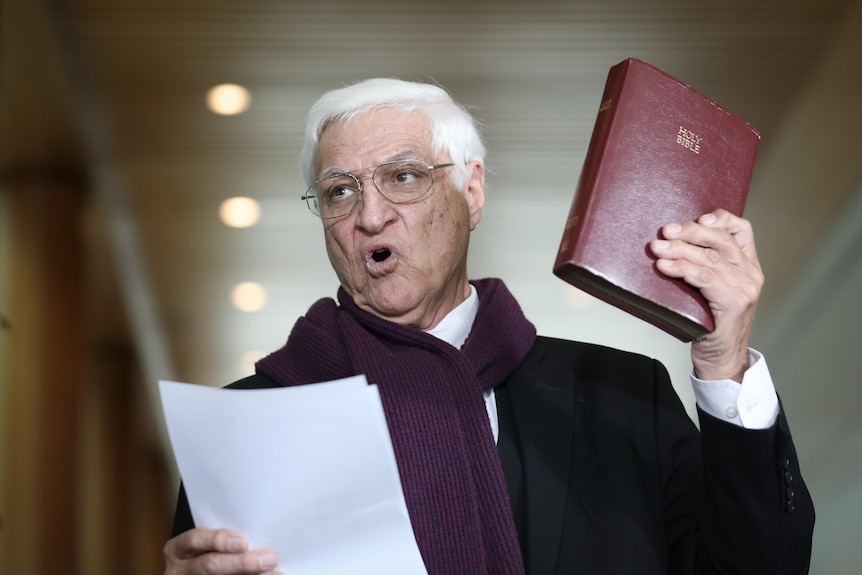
(544, 408)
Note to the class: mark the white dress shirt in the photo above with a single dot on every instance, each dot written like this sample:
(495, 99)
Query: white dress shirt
(753, 404)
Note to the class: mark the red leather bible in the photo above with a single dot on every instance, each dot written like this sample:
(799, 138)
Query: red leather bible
(660, 153)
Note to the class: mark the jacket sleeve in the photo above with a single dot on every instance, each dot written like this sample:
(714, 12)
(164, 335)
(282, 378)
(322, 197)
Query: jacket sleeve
(735, 500)
(752, 480)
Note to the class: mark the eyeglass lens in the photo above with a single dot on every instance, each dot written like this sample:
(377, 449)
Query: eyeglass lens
(401, 181)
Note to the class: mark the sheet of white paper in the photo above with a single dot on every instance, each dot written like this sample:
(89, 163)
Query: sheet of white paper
(306, 471)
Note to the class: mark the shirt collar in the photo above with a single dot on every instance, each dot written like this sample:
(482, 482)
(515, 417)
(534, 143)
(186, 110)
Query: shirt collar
(457, 324)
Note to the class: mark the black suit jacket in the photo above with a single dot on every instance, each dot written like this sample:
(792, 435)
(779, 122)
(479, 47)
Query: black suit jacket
(607, 474)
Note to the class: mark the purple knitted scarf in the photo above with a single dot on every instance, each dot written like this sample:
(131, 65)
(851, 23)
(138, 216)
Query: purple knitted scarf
(432, 396)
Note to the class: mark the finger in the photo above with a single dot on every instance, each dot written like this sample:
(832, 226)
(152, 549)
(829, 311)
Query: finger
(710, 247)
(695, 274)
(739, 228)
(696, 234)
(728, 289)
(696, 265)
(199, 541)
(682, 250)
(705, 267)
(721, 218)
(216, 552)
(255, 562)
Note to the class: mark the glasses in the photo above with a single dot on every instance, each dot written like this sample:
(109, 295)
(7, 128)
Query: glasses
(400, 181)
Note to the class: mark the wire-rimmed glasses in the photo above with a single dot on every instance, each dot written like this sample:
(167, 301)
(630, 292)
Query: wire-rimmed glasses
(400, 181)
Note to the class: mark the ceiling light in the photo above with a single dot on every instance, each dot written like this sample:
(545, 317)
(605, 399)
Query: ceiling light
(239, 212)
(228, 99)
(248, 297)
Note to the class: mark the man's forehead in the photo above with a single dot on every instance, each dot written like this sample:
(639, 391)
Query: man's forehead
(380, 119)
(380, 135)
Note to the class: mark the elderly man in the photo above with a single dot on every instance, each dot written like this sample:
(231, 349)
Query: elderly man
(518, 453)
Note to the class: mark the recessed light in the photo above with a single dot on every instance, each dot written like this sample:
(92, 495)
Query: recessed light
(248, 297)
(228, 99)
(239, 212)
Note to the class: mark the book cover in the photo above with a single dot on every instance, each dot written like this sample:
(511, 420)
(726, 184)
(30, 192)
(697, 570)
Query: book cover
(660, 152)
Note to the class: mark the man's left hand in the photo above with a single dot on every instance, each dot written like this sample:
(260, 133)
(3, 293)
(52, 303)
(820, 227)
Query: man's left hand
(716, 254)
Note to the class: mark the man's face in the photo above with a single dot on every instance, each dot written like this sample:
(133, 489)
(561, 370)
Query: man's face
(403, 262)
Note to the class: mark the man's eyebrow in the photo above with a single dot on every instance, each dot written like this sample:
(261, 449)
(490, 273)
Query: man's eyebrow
(405, 155)
(331, 171)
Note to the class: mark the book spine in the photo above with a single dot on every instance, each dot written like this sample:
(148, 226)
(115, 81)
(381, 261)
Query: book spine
(576, 223)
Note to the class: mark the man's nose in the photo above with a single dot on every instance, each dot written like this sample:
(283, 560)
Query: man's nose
(374, 209)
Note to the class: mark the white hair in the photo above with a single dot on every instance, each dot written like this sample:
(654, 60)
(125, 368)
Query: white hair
(453, 130)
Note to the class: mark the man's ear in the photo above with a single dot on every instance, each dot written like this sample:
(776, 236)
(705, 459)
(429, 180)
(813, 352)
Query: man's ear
(475, 192)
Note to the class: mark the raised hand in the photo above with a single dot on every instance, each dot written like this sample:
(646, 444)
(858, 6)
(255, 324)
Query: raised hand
(716, 254)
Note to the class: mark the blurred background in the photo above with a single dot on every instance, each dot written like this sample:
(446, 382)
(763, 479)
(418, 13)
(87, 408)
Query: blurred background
(117, 269)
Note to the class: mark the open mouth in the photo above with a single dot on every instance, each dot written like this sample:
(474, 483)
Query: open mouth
(380, 261)
(380, 255)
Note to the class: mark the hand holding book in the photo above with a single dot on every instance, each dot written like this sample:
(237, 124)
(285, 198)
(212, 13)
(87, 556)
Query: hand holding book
(661, 152)
(717, 255)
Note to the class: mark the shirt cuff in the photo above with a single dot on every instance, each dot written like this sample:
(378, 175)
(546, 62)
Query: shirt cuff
(753, 404)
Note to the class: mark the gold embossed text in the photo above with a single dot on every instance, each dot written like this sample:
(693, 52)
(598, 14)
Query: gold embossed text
(689, 140)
